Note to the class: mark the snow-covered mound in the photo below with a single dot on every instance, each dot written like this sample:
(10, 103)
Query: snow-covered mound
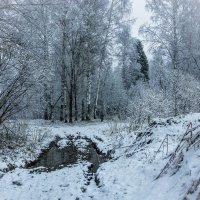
(159, 161)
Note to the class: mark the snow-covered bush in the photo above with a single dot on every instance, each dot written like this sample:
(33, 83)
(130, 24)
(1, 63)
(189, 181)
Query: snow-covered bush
(147, 102)
(18, 134)
(178, 95)
(116, 127)
(14, 133)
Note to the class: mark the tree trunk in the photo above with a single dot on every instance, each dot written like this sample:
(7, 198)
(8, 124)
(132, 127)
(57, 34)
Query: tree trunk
(83, 110)
(102, 112)
(51, 113)
(65, 114)
(62, 99)
(75, 86)
(47, 66)
(102, 58)
(71, 93)
(63, 75)
(88, 115)
(46, 114)
(95, 111)
(75, 103)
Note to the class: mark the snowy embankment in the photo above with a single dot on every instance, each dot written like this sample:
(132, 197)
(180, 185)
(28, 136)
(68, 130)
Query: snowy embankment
(131, 174)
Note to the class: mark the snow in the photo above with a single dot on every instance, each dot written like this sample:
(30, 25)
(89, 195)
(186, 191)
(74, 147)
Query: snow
(129, 175)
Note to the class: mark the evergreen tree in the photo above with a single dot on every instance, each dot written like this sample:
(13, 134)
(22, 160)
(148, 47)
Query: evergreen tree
(142, 60)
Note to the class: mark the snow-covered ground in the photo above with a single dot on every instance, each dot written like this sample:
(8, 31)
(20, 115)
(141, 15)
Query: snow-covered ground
(129, 175)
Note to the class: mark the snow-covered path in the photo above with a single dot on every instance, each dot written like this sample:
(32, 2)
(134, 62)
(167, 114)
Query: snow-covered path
(130, 175)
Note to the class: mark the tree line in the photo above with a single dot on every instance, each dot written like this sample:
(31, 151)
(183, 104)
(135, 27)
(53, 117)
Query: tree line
(77, 60)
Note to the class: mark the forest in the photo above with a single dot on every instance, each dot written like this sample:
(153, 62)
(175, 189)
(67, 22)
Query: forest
(77, 60)
(90, 110)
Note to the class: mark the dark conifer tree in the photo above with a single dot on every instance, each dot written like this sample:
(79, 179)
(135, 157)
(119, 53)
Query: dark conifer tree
(142, 60)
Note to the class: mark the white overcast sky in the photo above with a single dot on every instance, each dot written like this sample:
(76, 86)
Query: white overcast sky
(142, 16)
